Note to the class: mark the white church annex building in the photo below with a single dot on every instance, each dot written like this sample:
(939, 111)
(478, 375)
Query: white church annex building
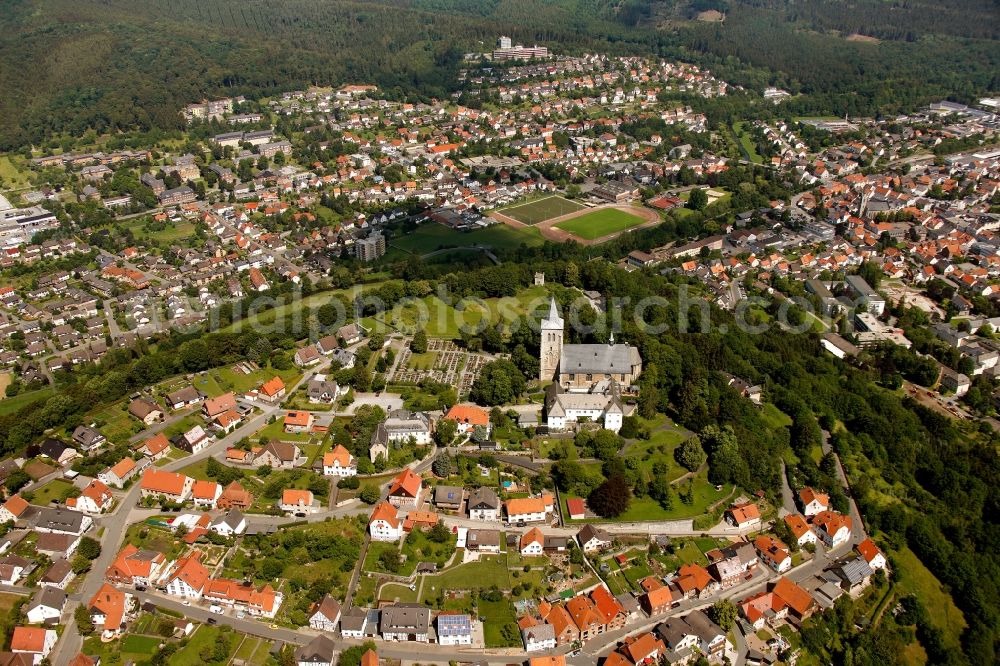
(586, 379)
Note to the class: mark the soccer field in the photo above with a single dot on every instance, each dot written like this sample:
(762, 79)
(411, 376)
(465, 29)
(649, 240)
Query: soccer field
(600, 223)
(543, 209)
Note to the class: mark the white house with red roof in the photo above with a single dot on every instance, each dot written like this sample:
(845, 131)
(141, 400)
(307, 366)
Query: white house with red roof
(95, 498)
(833, 528)
(872, 554)
(383, 524)
(813, 501)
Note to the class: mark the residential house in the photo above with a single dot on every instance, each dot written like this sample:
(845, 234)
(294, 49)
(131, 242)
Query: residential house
(278, 455)
(773, 552)
(526, 510)
(232, 523)
(59, 575)
(593, 539)
(644, 648)
(259, 602)
(612, 612)
(136, 567)
(405, 622)
(454, 629)
(123, 471)
(47, 605)
(188, 577)
(146, 411)
(61, 521)
(694, 582)
(184, 397)
(468, 417)
(532, 542)
(59, 452)
(743, 516)
(13, 509)
(307, 356)
(402, 425)
(693, 631)
(383, 524)
(537, 636)
(299, 502)
(813, 501)
(484, 504)
(33, 641)
(354, 623)
(482, 541)
(872, 554)
(165, 485)
(95, 498)
(800, 529)
(405, 489)
(235, 497)
(833, 528)
(155, 447)
(194, 440)
(657, 600)
(585, 617)
(562, 624)
(205, 494)
(298, 421)
(449, 498)
(12, 568)
(339, 462)
(854, 574)
(88, 438)
(326, 615)
(54, 545)
(272, 391)
(784, 600)
(351, 334)
(320, 651)
(213, 407)
(109, 609)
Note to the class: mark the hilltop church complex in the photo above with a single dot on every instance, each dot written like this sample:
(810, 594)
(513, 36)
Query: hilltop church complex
(587, 380)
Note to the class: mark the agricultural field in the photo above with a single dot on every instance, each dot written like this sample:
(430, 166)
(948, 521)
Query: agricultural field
(541, 210)
(600, 223)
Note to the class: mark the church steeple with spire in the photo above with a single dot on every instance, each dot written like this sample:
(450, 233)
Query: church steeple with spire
(552, 342)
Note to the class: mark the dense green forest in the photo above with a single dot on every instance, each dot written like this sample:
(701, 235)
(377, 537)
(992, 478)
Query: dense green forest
(70, 65)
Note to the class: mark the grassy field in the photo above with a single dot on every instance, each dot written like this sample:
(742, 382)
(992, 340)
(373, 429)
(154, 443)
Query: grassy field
(540, 210)
(432, 236)
(12, 176)
(203, 637)
(915, 578)
(423, 361)
(747, 142)
(11, 405)
(600, 223)
(230, 380)
(441, 320)
(54, 489)
(495, 615)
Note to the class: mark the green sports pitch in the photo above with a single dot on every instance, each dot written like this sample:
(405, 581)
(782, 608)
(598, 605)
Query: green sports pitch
(600, 223)
(540, 210)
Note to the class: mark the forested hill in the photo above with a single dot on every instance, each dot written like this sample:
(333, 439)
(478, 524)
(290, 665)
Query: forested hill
(70, 65)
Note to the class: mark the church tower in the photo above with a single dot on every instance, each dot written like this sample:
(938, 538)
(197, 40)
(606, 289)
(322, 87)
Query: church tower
(552, 342)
